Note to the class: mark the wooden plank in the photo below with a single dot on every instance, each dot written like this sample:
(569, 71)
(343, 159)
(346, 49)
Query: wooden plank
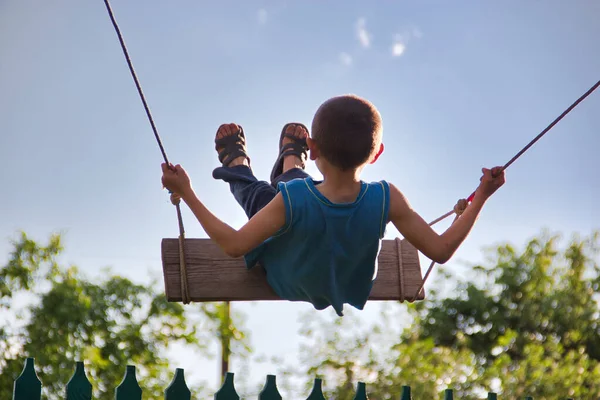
(213, 276)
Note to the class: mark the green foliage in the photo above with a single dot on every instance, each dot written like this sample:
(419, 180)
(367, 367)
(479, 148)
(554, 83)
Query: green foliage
(530, 326)
(338, 352)
(534, 324)
(527, 324)
(225, 326)
(108, 322)
(25, 266)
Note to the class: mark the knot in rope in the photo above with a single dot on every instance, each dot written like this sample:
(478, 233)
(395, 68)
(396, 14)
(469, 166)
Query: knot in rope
(461, 206)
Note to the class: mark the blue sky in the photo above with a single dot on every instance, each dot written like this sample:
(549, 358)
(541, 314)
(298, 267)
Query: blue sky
(460, 85)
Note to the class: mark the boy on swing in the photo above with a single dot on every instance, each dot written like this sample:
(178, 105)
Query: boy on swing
(319, 241)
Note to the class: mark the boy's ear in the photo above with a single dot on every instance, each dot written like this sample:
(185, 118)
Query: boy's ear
(313, 151)
(381, 148)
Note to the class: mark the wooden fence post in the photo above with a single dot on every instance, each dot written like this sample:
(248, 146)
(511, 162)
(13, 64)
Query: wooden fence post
(405, 393)
(269, 391)
(129, 389)
(178, 389)
(79, 387)
(317, 391)
(227, 391)
(361, 391)
(27, 386)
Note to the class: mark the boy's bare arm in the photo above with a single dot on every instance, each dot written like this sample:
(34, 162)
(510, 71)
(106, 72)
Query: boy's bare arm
(234, 243)
(440, 248)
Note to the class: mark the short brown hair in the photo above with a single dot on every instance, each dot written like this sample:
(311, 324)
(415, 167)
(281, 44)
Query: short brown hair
(347, 130)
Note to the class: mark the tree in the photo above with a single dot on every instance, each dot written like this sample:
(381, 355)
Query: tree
(534, 322)
(528, 324)
(107, 322)
(226, 327)
(343, 351)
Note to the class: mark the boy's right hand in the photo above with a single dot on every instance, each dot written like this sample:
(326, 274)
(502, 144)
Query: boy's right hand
(176, 179)
(491, 181)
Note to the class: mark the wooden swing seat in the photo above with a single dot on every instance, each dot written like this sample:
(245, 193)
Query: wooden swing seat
(214, 276)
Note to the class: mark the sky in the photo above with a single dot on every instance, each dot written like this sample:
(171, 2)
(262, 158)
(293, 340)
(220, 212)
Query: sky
(460, 86)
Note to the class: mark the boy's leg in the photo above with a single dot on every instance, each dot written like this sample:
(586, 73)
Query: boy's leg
(248, 191)
(294, 173)
(295, 153)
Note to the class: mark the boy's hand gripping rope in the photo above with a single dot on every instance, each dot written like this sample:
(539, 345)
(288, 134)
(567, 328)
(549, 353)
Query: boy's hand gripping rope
(462, 204)
(182, 267)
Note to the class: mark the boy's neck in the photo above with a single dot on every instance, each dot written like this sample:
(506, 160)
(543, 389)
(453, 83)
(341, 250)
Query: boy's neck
(341, 178)
(340, 186)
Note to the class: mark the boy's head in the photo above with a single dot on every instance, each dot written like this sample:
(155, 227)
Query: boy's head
(346, 131)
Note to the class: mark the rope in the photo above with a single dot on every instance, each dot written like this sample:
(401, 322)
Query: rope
(185, 291)
(459, 209)
(400, 270)
(182, 266)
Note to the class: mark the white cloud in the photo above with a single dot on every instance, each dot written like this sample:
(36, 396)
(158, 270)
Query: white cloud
(346, 59)
(401, 41)
(398, 49)
(364, 37)
(262, 16)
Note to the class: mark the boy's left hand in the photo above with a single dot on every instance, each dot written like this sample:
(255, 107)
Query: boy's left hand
(175, 179)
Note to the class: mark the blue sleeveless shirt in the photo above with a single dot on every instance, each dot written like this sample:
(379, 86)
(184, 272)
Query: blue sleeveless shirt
(326, 253)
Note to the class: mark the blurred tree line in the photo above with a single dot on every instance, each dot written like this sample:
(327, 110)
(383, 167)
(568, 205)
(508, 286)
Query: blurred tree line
(108, 323)
(527, 322)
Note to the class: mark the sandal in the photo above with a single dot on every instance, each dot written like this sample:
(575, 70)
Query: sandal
(297, 147)
(233, 146)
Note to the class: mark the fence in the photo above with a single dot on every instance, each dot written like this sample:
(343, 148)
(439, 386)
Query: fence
(28, 387)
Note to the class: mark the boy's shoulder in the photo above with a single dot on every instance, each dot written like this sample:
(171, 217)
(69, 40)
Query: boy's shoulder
(382, 183)
(294, 184)
(382, 186)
